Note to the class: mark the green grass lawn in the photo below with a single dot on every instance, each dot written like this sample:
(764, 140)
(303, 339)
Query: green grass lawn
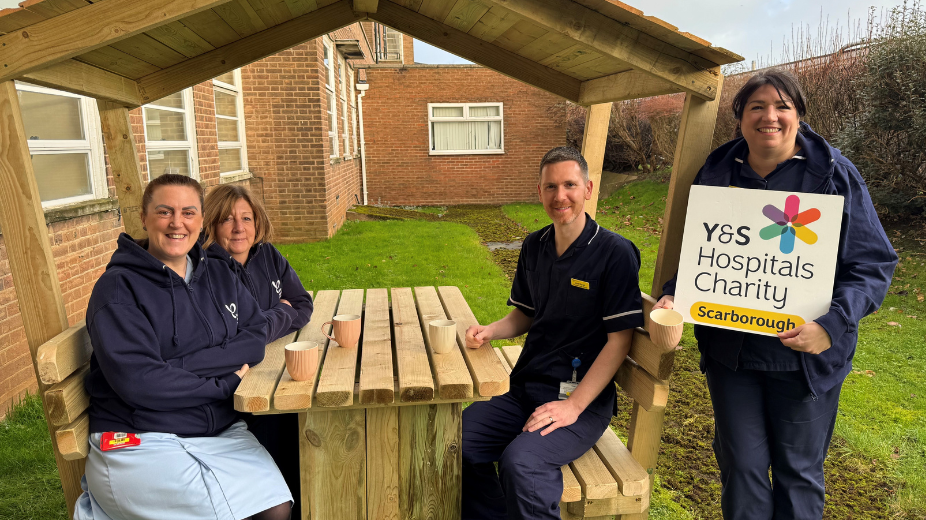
(882, 419)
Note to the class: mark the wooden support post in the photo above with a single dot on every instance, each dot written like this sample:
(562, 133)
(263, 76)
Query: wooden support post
(643, 443)
(123, 156)
(597, 119)
(695, 133)
(332, 451)
(25, 235)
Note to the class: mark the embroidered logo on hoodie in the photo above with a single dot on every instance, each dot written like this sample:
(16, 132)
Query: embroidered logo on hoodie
(233, 310)
(279, 290)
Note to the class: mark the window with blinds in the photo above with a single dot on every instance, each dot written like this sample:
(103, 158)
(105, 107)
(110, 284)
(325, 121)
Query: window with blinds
(332, 100)
(466, 128)
(229, 122)
(169, 137)
(345, 128)
(65, 143)
(393, 45)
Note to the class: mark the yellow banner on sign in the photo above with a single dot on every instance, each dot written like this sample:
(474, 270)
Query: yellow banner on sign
(743, 318)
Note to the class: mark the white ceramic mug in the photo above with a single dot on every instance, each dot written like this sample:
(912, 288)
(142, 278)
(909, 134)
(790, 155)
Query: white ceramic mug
(443, 335)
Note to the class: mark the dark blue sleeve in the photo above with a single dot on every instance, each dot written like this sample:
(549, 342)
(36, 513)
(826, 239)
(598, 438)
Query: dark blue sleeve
(293, 292)
(521, 297)
(622, 302)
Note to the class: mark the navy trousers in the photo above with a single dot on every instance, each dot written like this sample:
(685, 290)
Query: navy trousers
(768, 420)
(529, 483)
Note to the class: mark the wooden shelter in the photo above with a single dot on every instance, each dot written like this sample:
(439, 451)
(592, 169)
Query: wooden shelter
(126, 53)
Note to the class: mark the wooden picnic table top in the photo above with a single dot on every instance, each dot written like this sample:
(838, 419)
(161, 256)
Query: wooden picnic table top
(393, 364)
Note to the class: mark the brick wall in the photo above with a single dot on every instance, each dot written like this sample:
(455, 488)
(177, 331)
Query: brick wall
(399, 169)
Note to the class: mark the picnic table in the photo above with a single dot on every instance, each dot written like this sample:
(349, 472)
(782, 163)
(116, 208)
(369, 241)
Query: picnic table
(380, 424)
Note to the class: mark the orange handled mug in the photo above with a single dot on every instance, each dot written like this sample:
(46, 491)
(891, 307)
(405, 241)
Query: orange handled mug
(346, 329)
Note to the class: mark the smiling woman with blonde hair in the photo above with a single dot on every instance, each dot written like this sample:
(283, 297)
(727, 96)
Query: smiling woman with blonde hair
(238, 234)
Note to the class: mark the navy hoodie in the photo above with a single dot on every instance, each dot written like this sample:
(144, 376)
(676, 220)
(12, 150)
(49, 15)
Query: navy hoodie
(269, 277)
(864, 265)
(164, 351)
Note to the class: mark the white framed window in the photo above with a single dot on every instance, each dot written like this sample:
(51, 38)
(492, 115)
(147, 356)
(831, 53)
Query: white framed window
(66, 144)
(229, 123)
(332, 99)
(353, 108)
(345, 127)
(394, 51)
(465, 128)
(170, 139)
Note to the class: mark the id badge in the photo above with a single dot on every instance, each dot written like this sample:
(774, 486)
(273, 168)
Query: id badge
(116, 440)
(566, 388)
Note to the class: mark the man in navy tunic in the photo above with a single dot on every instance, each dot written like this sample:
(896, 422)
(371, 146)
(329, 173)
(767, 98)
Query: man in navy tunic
(576, 294)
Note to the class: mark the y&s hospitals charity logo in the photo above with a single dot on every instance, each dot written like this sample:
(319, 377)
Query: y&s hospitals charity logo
(789, 223)
(728, 278)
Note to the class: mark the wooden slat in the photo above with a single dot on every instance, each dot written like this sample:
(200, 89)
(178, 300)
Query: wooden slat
(450, 372)
(68, 399)
(148, 49)
(240, 16)
(512, 354)
(465, 13)
(641, 386)
(493, 24)
(32, 265)
(14, 19)
(572, 491)
(570, 57)
(605, 508)
(332, 451)
(256, 389)
(246, 50)
(546, 45)
(366, 6)
(87, 80)
(607, 36)
(594, 141)
(74, 439)
(60, 356)
(297, 395)
(339, 371)
(488, 375)
(436, 10)
(695, 132)
(383, 463)
(624, 85)
(519, 35)
(126, 169)
(650, 356)
(301, 7)
(643, 442)
(648, 303)
(631, 478)
(181, 39)
(479, 51)
(114, 60)
(49, 8)
(594, 477)
(272, 12)
(92, 27)
(501, 357)
(376, 379)
(211, 27)
(430, 461)
(412, 366)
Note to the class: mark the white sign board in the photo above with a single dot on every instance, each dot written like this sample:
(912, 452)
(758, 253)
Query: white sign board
(757, 261)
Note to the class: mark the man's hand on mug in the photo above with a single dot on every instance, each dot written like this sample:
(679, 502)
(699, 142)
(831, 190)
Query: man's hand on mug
(666, 302)
(477, 335)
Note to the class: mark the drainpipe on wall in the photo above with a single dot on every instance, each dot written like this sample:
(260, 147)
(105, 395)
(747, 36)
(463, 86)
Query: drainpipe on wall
(362, 87)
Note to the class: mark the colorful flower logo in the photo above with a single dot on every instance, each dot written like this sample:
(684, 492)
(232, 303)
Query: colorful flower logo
(789, 223)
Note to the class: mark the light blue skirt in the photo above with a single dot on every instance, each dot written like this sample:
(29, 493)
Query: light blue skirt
(227, 477)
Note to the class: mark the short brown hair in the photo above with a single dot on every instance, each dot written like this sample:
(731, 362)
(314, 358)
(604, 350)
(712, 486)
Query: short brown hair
(170, 179)
(563, 154)
(219, 204)
(785, 84)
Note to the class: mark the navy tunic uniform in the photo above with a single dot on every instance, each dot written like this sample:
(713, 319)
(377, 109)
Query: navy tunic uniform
(575, 300)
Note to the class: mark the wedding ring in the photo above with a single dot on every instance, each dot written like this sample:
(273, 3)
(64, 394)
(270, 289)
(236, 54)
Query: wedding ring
(551, 419)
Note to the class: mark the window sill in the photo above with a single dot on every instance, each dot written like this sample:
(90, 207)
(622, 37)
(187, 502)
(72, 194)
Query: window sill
(225, 178)
(336, 160)
(80, 209)
(469, 152)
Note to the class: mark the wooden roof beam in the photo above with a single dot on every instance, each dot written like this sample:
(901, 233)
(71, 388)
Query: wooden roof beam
(82, 30)
(476, 50)
(87, 80)
(644, 53)
(623, 85)
(246, 50)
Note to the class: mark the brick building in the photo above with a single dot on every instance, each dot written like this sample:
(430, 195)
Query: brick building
(289, 126)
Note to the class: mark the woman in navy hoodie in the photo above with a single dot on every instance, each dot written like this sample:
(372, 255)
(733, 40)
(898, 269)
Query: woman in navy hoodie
(173, 333)
(238, 232)
(776, 399)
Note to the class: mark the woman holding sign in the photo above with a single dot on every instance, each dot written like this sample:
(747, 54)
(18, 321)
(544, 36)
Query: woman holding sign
(775, 398)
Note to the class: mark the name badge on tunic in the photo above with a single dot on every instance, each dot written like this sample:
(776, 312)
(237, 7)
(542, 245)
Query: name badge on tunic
(579, 283)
